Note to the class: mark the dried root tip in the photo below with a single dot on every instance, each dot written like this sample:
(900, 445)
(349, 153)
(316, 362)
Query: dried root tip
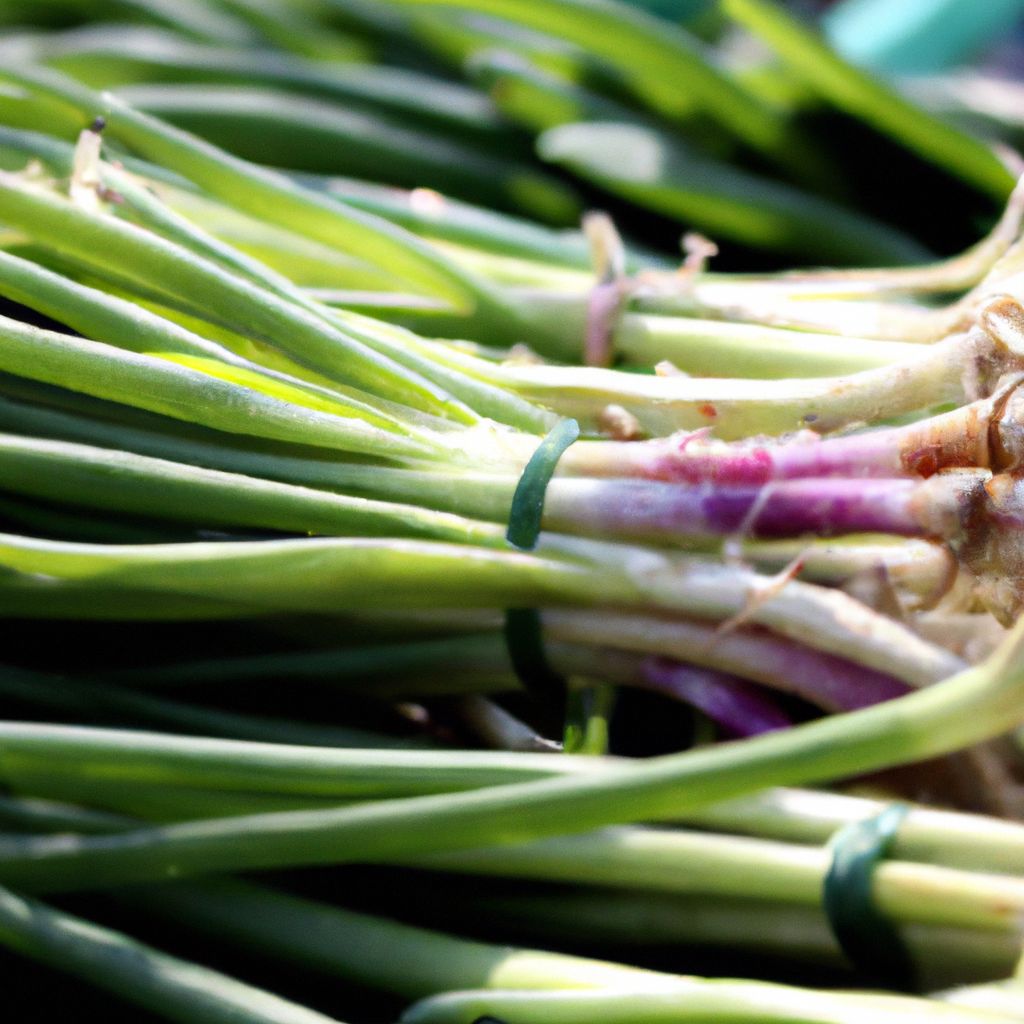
(1006, 429)
(761, 594)
(698, 251)
(497, 728)
(971, 636)
(947, 505)
(1002, 318)
(993, 348)
(992, 547)
(986, 361)
(875, 588)
(86, 188)
(427, 202)
(986, 434)
(85, 171)
(949, 587)
(619, 424)
(522, 355)
(954, 440)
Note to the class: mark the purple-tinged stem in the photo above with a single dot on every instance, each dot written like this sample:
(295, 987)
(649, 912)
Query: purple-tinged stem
(957, 439)
(695, 457)
(603, 308)
(825, 680)
(740, 708)
(788, 508)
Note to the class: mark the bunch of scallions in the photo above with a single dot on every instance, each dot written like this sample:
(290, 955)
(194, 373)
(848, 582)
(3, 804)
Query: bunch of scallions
(461, 578)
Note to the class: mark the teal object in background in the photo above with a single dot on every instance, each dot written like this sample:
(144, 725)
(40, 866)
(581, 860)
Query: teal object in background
(917, 36)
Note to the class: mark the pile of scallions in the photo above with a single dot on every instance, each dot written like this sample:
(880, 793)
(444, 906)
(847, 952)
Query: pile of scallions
(420, 607)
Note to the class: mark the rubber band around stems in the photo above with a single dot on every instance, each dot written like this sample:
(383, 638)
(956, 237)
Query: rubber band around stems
(527, 509)
(868, 938)
(523, 635)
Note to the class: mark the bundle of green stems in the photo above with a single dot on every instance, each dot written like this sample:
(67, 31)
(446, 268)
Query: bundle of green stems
(293, 301)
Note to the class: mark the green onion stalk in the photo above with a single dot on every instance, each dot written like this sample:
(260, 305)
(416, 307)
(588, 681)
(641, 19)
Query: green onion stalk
(628, 651)
(245, 493)
(645, 331)
(692, 319)
(176, 989)
(257, 191)
(42, 212)
(604, 920)
(659, 404)
(141, 485)
(876, 303)
(810, 817)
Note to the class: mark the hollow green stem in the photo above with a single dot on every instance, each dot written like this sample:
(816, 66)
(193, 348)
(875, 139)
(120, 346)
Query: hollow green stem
(173, 988)
(932, 836)
(104, 56)
(741, 408)
(313, 134)
(616, 919)
(50, 752)
(120, 482)
(113, 320)
(656, 172)
(191, 395)
(674, 861)
(695, 1000)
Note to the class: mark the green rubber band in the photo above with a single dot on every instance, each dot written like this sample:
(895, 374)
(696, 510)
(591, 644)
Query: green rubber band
(525, 642)
(523, 636)
(524, 516)
(866, 936)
